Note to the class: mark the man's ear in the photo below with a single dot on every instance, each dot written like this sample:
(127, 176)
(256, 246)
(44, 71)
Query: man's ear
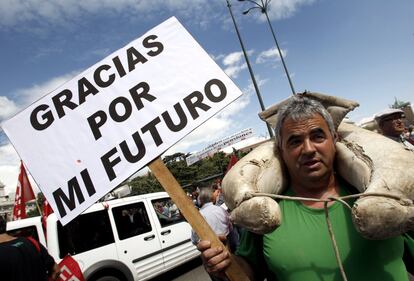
(335, 137)
(276, 149)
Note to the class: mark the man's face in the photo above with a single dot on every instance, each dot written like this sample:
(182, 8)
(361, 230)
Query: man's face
(392, 125)
(308, 149)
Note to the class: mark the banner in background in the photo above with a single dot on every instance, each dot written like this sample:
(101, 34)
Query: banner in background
(219, 145)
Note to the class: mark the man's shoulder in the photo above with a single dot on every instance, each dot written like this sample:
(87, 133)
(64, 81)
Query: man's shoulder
(211, 208)
(214, 207)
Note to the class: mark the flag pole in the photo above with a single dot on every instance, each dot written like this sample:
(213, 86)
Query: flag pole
(35, 198)
(38, 207)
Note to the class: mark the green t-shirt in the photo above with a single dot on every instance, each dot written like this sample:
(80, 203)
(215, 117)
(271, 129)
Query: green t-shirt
(301, 248)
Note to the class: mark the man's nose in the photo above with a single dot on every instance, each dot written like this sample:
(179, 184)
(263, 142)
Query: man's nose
(398, 121)
(308, 147)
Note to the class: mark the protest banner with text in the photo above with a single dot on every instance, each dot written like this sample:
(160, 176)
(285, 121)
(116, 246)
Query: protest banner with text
(86, 137)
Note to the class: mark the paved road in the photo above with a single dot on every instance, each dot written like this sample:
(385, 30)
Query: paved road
(191, 271)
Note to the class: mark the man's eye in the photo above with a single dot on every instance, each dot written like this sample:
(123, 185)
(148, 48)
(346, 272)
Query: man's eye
(294, 142)
(319, 137)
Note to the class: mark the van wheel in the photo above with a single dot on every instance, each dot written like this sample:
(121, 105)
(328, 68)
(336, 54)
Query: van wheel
(108, 278)
(108, 275)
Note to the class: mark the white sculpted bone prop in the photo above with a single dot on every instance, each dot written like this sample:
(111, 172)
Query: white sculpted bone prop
(259, 171)
(393, 173)
(369, 161)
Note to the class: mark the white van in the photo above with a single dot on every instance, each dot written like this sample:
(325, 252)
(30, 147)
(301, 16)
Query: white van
(133, 238)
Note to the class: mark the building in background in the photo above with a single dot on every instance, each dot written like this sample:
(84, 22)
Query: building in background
(7, 203)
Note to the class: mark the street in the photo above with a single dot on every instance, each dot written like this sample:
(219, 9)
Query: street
(190, 271)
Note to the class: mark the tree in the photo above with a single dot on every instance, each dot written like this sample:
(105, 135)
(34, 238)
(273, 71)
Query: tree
(398, 104)
(40, 198)
(185, 175)
(144, 184)
(33, 213)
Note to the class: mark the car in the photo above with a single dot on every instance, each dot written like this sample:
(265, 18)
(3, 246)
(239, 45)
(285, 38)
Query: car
(132, 238)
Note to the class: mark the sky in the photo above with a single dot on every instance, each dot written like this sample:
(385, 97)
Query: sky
(358, 50)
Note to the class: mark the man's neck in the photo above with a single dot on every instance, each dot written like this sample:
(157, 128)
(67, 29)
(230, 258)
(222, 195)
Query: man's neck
(396, 138)
(206, 204)
(322, 189)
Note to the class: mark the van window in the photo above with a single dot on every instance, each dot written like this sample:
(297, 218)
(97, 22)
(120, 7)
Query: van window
(167, 211)
(84, 233)
(131, 220)
(25, 232)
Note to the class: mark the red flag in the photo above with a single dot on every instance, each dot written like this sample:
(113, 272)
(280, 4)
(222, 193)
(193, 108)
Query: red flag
(47, 210)
(233, 160)
(70, 270)
(24, 193)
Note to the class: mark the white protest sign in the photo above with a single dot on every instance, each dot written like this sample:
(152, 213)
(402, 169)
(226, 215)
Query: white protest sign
(219, 145)
(87, 136)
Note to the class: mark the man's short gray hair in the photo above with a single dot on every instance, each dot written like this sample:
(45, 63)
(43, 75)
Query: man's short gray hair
(205, 195)
(299, 108)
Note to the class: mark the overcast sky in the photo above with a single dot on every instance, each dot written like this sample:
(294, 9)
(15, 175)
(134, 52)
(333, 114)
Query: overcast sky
(359, 50)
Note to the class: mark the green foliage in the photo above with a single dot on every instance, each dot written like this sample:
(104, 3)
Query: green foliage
(144, 184)
(40, 199)
(398, 104)
(185, 175)
(32, 213)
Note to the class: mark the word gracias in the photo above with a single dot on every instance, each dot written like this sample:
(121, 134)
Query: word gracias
(103, 76)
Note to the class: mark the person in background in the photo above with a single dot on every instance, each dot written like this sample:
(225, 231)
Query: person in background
(23, 259)
(217, 218)
(391, 125)
(410, 134)
(218, 195)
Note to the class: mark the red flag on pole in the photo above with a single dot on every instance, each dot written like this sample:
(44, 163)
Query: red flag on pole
(24, 193)
(47, 210)
(70, 270)
(233, 160)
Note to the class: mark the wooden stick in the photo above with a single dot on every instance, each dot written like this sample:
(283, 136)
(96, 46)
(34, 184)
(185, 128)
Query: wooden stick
(234, 272)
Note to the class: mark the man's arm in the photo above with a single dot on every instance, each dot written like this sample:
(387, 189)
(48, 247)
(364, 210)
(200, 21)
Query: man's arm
(52, 267)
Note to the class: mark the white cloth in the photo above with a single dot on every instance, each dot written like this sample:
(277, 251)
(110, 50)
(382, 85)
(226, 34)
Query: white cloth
(217, 218)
